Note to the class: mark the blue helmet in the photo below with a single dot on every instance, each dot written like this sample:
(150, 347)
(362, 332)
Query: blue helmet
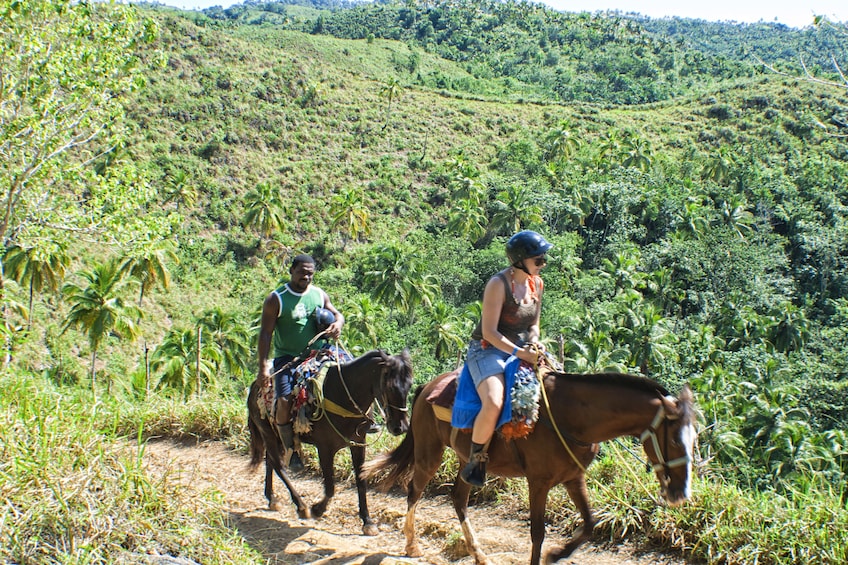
(323, 318)
(526, 244)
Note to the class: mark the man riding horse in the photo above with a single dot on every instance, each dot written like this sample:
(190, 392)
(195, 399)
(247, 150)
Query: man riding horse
(292, 316)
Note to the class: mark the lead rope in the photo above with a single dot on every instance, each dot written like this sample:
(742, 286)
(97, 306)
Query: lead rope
(537, 370)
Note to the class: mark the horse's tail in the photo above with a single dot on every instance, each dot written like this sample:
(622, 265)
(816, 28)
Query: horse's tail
(396, 466)
(257, 443)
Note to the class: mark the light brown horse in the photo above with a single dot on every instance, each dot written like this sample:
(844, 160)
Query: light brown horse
(584, 411)
(351, 388)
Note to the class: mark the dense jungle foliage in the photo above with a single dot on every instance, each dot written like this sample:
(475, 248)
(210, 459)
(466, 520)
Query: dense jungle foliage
(697, 200)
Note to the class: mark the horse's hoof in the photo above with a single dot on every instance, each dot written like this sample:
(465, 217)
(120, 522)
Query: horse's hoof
(303, 513)
(276, 505)
(413, 551)
(318, 510)
(370, 529)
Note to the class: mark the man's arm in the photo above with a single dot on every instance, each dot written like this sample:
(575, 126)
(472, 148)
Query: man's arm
(335, 329)
(270, 311)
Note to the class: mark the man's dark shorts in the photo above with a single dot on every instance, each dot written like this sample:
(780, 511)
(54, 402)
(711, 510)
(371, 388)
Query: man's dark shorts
(283, 380)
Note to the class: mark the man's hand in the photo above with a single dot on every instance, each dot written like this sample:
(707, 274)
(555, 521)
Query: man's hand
(334, 330)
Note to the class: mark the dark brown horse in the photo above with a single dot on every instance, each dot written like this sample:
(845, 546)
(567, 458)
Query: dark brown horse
(584, 410)
(350, 389)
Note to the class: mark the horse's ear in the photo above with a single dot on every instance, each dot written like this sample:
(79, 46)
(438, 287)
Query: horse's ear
(686, 396)
(405, 354)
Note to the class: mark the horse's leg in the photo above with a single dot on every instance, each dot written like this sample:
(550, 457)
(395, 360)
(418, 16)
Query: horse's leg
(273, 463)
(273, 502)
(459, 494)
(578, 493)
(357, 458)
(428, 456)
(326, 457)
(538, 494)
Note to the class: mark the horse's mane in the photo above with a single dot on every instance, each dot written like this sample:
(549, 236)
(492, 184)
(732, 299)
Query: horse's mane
(615, 379)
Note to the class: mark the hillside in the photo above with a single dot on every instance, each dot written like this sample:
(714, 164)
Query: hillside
(697, 202)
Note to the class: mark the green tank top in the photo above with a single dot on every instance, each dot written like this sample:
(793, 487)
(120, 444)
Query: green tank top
(296, 325)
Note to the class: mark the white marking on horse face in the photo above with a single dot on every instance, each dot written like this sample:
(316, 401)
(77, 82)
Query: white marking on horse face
(688, 435)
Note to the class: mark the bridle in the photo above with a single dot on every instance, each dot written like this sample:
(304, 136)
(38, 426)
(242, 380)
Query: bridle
(382, 398)
(651, 433)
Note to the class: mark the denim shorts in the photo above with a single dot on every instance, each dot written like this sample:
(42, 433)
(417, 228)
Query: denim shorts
(283, 379)
(483, 363)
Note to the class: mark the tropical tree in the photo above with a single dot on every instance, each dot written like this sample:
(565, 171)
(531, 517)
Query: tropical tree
(181, 365)
(561, 142)
(446, 331)
(149, 266)
(734, 214)
(230, 335)
(467, 219)
(180, 190)
(399, 279)
(717, 168)
(692, 219)
(391, 90)
(363, 318)
(39, 267)
(636, 152)
(350, 214)
(98, 308)
(265, 210)
(516, 207)
(648, 336)
(66, 67)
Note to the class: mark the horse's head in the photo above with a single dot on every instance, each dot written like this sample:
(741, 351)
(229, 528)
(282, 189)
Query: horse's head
(395, 383)
(669, 442)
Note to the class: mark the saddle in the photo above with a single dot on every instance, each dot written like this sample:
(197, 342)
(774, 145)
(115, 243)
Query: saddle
(308, 376)
(522, 404)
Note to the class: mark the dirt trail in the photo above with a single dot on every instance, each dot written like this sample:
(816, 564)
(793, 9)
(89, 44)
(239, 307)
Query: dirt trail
(336, 538)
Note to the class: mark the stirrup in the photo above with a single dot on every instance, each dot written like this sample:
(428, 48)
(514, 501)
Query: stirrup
(292, 461)
(474, 472)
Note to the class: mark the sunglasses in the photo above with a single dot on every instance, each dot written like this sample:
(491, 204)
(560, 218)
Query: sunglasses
(543, 260)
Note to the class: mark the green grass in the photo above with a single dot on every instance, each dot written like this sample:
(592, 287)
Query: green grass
(74, 492)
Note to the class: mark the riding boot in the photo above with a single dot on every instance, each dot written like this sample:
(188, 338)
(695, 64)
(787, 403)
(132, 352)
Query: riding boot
(474, 472)
(290, 457)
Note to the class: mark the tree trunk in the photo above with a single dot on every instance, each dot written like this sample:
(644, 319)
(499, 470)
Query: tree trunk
(93, 372)
(197, 365)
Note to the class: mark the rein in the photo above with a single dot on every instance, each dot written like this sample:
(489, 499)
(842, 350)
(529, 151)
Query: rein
(649, 433)
(333, 408)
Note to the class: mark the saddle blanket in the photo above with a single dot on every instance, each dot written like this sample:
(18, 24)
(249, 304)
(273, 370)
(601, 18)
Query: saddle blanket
(519, 414)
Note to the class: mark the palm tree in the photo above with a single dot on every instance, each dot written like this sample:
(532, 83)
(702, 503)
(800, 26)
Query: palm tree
(99, 309)
(718, 166)
(561, 142)
(227, 332)
(649, 337)
(177, 360)
(445, 331)
(636, 152)
(363, 317)
(609, 150)
(265, 209)
(148, 266)
(179, 190)
(692, 217)
(391, 91)
(350, 213)
(37, 267)
(467, 219)
(734, 214)
(398, 279)
(516, 206)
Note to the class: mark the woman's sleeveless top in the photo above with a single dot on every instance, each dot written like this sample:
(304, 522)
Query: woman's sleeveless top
(516, 319)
